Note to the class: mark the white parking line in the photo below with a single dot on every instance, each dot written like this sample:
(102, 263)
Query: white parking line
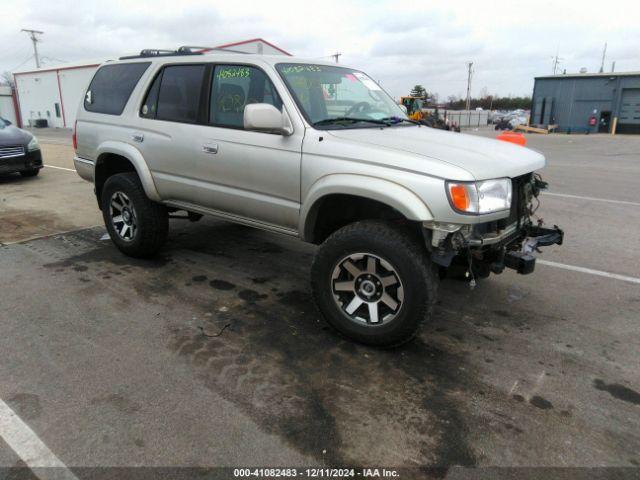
(33, 452)
(590, 271)
(593, 199)
(61, 168)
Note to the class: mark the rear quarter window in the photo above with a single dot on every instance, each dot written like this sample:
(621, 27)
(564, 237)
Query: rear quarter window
(111, 87)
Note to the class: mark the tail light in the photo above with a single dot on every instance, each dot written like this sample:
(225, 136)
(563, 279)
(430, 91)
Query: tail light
(75, 136)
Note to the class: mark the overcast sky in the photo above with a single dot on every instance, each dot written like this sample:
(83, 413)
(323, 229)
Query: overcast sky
(399, 43)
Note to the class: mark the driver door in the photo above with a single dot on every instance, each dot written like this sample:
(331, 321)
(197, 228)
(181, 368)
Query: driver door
(253, 175)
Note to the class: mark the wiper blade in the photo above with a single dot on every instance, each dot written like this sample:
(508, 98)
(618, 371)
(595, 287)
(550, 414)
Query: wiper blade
(395, 120)
(328, 121)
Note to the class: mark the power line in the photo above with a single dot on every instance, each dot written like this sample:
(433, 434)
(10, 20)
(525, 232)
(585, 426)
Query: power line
(54, 59)
(21, 64)
(34, 39)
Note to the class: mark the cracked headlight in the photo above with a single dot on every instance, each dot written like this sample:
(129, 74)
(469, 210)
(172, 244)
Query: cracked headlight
(33, 144)
(487, 196)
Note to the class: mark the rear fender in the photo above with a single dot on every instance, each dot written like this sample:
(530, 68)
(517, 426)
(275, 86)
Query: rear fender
(135, 157)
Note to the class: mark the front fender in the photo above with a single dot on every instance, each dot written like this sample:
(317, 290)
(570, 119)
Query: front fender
(135, 157)
(381, 190)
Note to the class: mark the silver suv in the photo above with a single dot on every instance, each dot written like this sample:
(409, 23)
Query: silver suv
(315, 151)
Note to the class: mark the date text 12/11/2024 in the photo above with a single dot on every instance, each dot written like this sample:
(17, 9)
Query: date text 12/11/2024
(315, 473)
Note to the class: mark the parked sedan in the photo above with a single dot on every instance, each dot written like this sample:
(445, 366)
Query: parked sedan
(19, 151)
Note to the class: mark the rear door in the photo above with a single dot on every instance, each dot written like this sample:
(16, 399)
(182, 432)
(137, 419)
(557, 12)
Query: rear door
(169, 117)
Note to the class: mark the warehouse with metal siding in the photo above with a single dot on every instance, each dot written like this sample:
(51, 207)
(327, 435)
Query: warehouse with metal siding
(588, 102)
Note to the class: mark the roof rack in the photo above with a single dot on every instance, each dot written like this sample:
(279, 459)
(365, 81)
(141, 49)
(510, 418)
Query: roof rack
(184, 50)
(147, 52)
(187, 48)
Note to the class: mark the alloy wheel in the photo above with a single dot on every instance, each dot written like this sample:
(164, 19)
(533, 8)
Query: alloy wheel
(367, 289)
(123, 216)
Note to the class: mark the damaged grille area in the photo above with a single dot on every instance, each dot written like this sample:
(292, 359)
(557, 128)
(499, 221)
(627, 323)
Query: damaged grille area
(522, 192)
(520, 198)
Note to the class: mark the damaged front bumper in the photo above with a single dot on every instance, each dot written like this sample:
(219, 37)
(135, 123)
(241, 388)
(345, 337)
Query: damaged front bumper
(512, 248)
(485, 248)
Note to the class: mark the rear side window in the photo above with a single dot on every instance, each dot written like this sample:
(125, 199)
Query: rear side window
(150, 105)
(178, 98)
(111, 87)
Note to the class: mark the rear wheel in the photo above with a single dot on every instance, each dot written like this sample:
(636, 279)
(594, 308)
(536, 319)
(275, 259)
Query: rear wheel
(137, 225)
(373, 282)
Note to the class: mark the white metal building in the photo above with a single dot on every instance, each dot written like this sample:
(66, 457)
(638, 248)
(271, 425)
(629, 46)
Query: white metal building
(7, 105)
(54, 93)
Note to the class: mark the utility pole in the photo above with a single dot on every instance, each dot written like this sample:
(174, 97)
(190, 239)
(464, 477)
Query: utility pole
(613, 66)
(32, 34)
(470, 73)
(336, 56)
(604, 54)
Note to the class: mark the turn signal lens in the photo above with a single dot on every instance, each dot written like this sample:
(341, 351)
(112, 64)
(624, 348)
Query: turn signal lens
(459, 196)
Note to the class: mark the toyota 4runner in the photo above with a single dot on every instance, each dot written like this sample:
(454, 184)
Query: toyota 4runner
(315, 151)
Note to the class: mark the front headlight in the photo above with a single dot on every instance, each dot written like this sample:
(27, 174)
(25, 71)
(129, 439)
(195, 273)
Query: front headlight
(33, 144)
(487, 196)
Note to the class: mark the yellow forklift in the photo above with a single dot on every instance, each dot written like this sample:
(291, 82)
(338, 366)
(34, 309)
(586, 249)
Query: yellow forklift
(414, 107)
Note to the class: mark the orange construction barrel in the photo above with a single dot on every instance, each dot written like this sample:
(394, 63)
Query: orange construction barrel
(517, 138)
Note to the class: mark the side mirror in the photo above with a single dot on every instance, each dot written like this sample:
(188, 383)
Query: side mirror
(264, 117)
(404, 108)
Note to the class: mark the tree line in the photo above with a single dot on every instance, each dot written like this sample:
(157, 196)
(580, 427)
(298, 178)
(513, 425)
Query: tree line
(485, 101)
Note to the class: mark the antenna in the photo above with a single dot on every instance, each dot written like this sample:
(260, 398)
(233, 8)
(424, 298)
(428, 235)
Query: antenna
(604, 54)
(556, 62)
(32, 34)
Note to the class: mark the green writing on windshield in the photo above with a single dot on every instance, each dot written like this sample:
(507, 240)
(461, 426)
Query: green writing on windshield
(300, 69)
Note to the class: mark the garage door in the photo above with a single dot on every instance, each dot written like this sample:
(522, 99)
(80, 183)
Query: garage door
(629, 121)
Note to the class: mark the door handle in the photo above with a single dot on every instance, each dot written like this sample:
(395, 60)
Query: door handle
(210, 148)
(137, 137)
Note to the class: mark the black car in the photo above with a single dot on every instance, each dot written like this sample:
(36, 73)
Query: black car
(19, 151)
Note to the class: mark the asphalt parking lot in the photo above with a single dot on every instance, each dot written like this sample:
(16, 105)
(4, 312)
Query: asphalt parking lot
(213, 354)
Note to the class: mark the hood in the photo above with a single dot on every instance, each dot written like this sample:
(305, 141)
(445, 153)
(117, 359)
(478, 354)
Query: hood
(483, 158)
(11, 135)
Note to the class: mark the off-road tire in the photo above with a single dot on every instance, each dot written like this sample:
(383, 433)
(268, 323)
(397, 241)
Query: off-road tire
(30, 173)
(399, 246)
(151, 217)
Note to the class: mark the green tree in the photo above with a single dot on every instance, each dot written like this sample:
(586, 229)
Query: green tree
(418, 91)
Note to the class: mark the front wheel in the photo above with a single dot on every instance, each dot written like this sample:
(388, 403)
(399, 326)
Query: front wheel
(137, 225)
(374, 282)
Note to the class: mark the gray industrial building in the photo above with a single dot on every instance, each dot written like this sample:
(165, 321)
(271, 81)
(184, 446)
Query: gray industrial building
(588, 102)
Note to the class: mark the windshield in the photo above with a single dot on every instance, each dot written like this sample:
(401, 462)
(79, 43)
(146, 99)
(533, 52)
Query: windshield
(337, 97)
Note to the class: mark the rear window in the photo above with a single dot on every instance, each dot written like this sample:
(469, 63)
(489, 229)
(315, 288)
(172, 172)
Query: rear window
(111, 87)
